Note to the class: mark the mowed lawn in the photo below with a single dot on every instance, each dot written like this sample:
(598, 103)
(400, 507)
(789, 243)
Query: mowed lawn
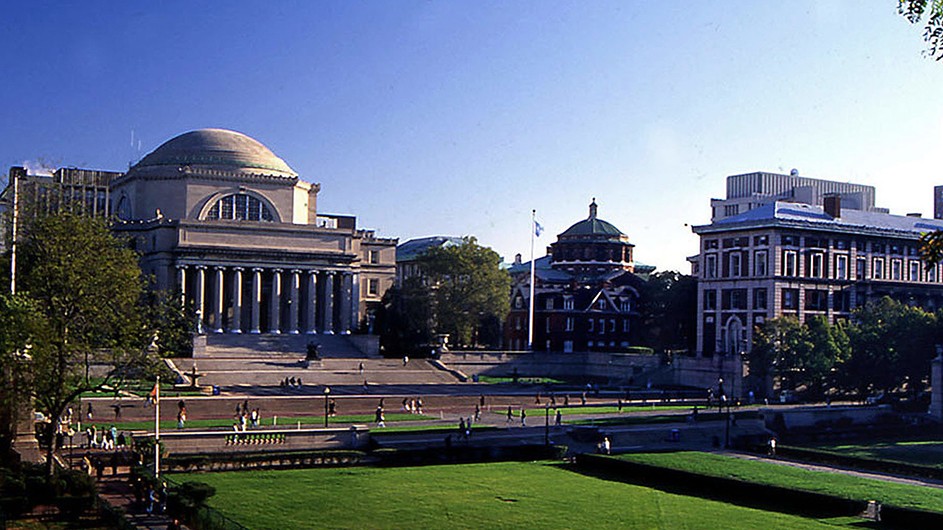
(841, 485)
(925, 453)
(495, 495)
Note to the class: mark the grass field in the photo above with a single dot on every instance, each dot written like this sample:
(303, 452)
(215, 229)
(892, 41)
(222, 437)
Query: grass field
(925, 453)
(496, 495)
(846, 486)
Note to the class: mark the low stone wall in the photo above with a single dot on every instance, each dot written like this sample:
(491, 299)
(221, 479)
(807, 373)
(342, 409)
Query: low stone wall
(262, 440)
(612, 366)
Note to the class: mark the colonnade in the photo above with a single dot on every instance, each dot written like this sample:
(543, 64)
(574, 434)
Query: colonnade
(238, 299)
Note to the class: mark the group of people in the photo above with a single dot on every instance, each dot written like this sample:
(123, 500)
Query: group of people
(291, 382)
(412, 406)
(246, 418)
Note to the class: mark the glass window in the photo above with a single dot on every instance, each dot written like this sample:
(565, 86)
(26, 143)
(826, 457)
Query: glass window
(790, 299)
(878, 272)
(759, 299)
(240, 206)
(710, 300)
(914, 271)
(860, 264)
(759, 263)
(789, 263)
(735, 264)
(896, 269)
(815, 265)
(841, 267)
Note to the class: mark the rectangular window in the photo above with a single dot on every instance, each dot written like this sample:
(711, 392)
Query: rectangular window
(591, 325)
(735, 264)
(612, 325)
(841, 301)
(790, 298)
(374, 257)
(860, 265)
(549, 304)
(759, 299)
(931, 274)
(625, 325)
(569, 323)
(914, 271)
(547, 324)
(568, 302)
(373, 286)
(878, 272)
(815, 270)
(816, 300)
(710, 300)
(602, 326)
(789, 263)
(710, 266)
(760, 240)
(896, 269)
(759, 263)
(792, 241)
(733, 299)
(841, 267)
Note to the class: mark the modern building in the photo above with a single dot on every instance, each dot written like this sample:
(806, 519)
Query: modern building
(585, 292)
(220, 218)
(752, 190)
(805, 260)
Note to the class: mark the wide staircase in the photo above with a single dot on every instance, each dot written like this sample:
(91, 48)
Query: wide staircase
(228, 345)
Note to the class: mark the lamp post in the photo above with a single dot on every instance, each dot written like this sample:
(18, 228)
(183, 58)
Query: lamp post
(724, 400)
(547, 423)
(327, 395)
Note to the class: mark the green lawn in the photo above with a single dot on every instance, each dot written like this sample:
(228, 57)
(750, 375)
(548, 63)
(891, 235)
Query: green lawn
(837, 484)
(496, 495)
(925, 453)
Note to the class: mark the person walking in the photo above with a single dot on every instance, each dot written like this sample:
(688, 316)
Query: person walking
(523, 417)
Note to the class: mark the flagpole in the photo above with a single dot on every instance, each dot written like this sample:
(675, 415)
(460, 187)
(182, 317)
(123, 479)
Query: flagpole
(530, 313)
(157, 429)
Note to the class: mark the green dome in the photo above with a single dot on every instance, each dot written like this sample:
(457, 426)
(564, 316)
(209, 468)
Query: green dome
(218, 149)
(593, 227)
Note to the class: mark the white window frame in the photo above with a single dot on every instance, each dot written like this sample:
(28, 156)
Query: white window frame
(710, 266)
(914, 273)
(877, 271)
(790, 263)
(816, 265)
(841, 267)
(760, 261)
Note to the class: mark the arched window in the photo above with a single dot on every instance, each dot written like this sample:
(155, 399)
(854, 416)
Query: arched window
(123, 211)
(241, 207)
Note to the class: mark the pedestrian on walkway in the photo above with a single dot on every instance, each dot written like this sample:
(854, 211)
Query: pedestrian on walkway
(523, 417)
(559, 419)
(89, 413)
(477, 413)
(510, 415)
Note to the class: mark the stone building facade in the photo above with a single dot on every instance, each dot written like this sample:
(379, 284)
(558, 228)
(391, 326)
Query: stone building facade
(787, 258)
(219, 218)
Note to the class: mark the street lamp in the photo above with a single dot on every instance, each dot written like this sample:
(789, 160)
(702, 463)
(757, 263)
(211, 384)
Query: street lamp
(327, 395)
(723, 400)
(547, 423)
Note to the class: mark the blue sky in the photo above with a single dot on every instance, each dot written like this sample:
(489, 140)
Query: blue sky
(458, 118)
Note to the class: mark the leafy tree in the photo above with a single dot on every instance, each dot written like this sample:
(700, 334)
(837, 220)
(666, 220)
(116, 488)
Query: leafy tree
(914, 11)
(892, 346)
(797, 355)
(668, 307)
(20, 325)
(406, 319)
(174, 322)
(469, 288)
(87, 288)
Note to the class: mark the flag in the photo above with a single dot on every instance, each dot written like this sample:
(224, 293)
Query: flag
(538, 229)
(155, 393)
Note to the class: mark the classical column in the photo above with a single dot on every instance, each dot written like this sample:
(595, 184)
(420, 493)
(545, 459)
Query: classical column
(198, 296)
(328, 303)
(256, 298)
(218, 301)
(182, 282)
(311, 323)
(345, 294)
(355, 300)
(293, 302)
(236, 324)
(275, 306)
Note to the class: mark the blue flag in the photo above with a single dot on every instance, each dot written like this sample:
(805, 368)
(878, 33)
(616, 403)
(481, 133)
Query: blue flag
(538, 229)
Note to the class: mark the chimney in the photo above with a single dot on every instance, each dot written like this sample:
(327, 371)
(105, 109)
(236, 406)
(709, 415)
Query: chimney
(832, 205)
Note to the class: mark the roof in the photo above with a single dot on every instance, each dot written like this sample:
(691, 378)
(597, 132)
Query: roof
(216, 149)
(799, 215)
(592, 226)
(414, 248)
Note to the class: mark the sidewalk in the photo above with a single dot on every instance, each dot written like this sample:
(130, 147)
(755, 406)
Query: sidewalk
(115, 490)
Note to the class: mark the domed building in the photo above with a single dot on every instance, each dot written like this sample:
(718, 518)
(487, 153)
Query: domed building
(217, 216)
(585, 291)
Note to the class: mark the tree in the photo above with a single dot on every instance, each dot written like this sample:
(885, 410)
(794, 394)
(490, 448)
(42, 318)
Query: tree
(668, 307)
(174, 321)
(892, 346)
(20, 324)
(469, 289)
(87, 288)
(914, 11)
(799, 356)
(405, 321)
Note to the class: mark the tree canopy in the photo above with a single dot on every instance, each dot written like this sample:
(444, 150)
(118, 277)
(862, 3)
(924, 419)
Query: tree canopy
(915, 11)
(84, 292)
(668, 307)
(462, 291)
